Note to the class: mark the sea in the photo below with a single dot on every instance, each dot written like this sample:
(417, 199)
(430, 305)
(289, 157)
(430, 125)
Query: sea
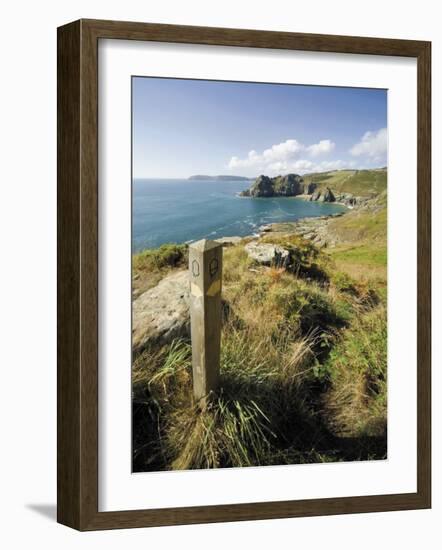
(182, 210)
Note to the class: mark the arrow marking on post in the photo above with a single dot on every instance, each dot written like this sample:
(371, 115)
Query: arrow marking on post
(195, 290)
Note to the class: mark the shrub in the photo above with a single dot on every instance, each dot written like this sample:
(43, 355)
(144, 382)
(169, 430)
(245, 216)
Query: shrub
(306, 260)
(167, 255)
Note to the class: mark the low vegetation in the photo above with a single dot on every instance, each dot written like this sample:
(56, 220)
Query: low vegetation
(303, 359)
(151, 265)
(357, 182)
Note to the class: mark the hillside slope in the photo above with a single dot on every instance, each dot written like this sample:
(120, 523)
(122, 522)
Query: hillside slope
(365, 183)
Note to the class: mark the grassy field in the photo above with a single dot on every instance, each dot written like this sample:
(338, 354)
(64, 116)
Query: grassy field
(358, 182)
(303, 358)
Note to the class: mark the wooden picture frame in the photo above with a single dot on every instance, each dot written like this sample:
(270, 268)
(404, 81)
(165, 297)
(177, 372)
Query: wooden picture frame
(78, 274)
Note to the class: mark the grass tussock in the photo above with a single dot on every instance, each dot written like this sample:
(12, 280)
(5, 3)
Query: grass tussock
(306, 260)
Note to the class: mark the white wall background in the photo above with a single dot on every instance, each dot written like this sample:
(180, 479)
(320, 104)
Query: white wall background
(28, 271)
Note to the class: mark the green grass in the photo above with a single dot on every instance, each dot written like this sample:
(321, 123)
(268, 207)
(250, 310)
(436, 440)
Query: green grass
(358, 182)
(364, 254)
(360, 225)
(167, 255)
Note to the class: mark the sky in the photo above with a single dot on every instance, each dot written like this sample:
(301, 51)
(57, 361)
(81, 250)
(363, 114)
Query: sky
(184, 127)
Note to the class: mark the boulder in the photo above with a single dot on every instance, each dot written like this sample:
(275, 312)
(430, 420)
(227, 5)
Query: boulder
(266, 228)
(162, 313)
(268, 254)
(229, 241)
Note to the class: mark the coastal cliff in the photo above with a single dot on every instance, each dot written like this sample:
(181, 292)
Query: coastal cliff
(290, 185)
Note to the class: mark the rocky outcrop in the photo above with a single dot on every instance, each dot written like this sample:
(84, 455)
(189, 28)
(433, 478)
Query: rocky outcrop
(229, 241)
(161, 313)
(290, 185)
(317, 230)
(261, 187)
(265, 228)
(268, 254)
(350, 200)
(325, 195)
(310, 188)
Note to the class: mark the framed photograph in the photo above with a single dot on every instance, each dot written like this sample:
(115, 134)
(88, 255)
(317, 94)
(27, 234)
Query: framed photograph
(243, 274)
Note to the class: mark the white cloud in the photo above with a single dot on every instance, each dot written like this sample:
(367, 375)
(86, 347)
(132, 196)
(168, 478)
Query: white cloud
(372, 145)
(283, 158)
(321, 148)
(283, 151)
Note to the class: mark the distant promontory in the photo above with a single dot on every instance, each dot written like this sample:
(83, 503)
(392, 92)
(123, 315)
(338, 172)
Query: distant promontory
(219, 178)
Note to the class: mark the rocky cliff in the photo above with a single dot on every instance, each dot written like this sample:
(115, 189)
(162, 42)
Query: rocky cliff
(291, 185)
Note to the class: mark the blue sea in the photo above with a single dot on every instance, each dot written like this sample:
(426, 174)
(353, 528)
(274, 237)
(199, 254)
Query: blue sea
(180, 210)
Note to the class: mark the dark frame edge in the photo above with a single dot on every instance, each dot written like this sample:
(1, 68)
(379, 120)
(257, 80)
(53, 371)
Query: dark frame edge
(77, 226)
(256, 511)
(424, 273)
(68, 274)
(77, 277)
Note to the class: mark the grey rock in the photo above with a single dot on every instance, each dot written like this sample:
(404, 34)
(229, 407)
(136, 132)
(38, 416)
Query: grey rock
(280, 186)
(327, 196)
(261, 187)
(162, 313)
(229, 241)
(288, 186)
(268, 254)
(315, 196)
(265, 228)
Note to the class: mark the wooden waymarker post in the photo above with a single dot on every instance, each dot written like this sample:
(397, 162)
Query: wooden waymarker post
(205, 272)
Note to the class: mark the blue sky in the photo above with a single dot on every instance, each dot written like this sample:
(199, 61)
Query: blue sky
(185, 127)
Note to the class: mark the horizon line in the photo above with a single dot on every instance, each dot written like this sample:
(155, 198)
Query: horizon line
(256, 176)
